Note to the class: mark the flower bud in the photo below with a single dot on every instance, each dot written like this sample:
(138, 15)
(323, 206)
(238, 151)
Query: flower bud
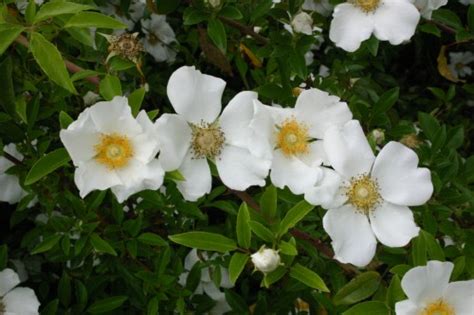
(266, 259)
(378, 135)
(214, 3)
(302, 23)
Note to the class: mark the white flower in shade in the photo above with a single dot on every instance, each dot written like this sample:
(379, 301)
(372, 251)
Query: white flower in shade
(266, 259)
(90, 98)
(293, 137)
(323, 7)
(197, 133)
(10, 190)
(467, 2)
(302, 23)
(389, 20)
(112, 149)
(207, 285)
(16, 300)
(458, 63)
(134, 13)
(159, 37)
(429, 292)
(368, 197)
(426, 7)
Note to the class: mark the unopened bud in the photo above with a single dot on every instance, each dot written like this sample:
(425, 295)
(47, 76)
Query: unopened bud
(266, 259)
(302, 23)
(378, 135)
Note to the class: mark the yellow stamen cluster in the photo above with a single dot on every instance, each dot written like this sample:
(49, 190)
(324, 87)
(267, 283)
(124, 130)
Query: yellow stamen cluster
(366, 5)
(438, 307)
(207, 140)
(114, 151)
(363, 193)
(292, 138)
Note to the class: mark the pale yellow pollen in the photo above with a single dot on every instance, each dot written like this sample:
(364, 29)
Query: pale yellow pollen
(114, 151)
(438, 307)
(363, 193)
(366, 5)
(292, 138)
(207, 140)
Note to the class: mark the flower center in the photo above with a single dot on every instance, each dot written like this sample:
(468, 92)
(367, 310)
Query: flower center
(292, 138)
(207, 140)
(366, 5)
(114, 151)
(438, 307)
(363, 193)
(126, 46)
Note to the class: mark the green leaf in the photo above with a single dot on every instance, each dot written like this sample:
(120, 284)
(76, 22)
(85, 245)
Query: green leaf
(82, 35)
(101, 245)
(236, 265)
(287, 248)
(47, 164)
(51, 9)
(167, 6)
(268, 203)
(205, 241)
(470, 18)
(107, 304)
(8, 33)
(64, 120)
(193, 16)
(94, 19)
(152, 239)
(261, 231)
(386, 101)
(7, 94)
(429, 125)
(48, 243)
(135, 100)
(217, 33)
(231, 13)
(294, 215)
(51, 308)
(448, 18)
(358, 289)
(395, 292)
(308, 277)
(419, 251)
(244, 234)
(30, 12)
(274, 276)
(434, 250)
(371, 307)
(110, 87)
(50, 60)
(3, 256)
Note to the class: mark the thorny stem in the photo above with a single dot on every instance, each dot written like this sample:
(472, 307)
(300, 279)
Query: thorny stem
(72, 67)
(317, 243)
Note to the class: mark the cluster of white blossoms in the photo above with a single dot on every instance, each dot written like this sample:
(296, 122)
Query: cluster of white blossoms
(247, 142)
(16, 300)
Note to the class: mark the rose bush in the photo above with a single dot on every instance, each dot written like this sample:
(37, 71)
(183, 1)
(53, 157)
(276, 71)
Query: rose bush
(236, 157)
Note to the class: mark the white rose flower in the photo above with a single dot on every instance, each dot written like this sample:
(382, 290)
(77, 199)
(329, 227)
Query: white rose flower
(426, 7)
(196, 134)
(458, 63)
(266, 259)
(136, 10)
(159, 37)
(323, 7)
(207, 285)
(389, 20)
(370, 195)
(302, 23)
(293, 137)
(10, 191)
(429, 292)
(112, 149)
(13, 299)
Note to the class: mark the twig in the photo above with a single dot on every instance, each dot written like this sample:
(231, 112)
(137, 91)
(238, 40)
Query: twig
(72, 67)
(244, 29)
(12, 159)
